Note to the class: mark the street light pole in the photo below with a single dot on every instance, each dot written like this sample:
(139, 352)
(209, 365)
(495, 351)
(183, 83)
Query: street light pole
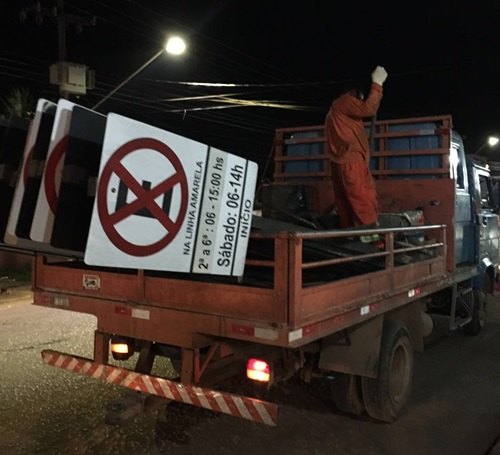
(174, 45)
(135, 73)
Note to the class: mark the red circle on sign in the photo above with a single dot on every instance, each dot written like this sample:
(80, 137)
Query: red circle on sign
(50, 172)
(145, 198)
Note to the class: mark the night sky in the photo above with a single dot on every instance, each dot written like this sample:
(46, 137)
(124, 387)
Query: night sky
(442, 58)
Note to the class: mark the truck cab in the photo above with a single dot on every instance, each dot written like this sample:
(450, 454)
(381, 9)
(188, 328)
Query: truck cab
(476, 216)
(485, 242)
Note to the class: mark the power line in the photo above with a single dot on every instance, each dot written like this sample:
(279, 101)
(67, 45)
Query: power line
(142, 95)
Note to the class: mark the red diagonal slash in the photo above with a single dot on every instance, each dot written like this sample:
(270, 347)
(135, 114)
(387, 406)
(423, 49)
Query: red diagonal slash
(144, 198)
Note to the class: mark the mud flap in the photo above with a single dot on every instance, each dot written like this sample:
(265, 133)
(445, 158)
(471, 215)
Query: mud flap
(355, 350)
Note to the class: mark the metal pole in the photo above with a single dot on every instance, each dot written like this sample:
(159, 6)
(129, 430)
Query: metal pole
(135, 73)
(61, 30)
(61, 38)
(480, 149)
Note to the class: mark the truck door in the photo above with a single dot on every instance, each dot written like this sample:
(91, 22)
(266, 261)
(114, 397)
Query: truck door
(486, 216)
(465, 223)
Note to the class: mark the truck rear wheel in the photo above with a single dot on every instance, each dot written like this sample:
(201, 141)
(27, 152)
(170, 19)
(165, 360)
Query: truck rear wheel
(385, 396)
(345, 390)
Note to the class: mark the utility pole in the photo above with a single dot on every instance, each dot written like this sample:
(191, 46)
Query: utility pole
(71, 78)
(61, 41)
(61, 30)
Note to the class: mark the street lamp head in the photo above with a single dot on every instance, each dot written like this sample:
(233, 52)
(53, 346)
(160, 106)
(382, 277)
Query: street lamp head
(175, 45)
(493, 140)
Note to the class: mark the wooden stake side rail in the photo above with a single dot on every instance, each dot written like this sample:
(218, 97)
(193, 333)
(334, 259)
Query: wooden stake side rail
(314, 135)
(184, 313)
(195, 330)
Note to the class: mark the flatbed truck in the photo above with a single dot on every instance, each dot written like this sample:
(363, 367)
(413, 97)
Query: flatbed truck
(314, 300)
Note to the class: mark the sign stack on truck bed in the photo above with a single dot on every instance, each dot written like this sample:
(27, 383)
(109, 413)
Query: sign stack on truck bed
(296, 297)
(160, 196)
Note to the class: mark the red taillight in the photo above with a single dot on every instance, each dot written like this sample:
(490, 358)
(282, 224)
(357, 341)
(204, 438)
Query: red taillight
(258, 370)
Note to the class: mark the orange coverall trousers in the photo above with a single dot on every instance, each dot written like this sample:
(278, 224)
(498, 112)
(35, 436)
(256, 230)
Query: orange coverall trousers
(355, 194)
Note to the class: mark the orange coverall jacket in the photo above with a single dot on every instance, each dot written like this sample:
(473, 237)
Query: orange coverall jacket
(355, 194)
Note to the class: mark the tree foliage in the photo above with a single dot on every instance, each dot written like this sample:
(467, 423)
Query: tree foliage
(19, 102)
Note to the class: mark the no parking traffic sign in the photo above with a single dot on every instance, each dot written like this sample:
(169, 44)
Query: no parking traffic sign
(143, 204)
(44, 107)
(46, 205)
(166, 202)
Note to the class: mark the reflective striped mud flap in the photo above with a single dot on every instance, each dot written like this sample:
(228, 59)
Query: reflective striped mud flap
(213, 400)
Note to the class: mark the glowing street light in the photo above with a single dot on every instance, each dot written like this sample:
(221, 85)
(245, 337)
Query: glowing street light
(492, 141)
(175, 45)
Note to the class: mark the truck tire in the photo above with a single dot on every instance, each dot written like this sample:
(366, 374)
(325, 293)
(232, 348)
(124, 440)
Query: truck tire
(345, 390)
(385, 396)
(476, 324)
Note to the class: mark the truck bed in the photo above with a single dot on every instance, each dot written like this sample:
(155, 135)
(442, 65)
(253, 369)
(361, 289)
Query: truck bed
(296, 288)
(300, 283)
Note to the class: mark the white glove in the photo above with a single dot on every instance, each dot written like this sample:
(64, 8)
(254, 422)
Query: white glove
(379, 75)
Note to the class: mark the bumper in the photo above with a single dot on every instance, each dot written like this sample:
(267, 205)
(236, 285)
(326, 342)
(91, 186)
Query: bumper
(226, 403)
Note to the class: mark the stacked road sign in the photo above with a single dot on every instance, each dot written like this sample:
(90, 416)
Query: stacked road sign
(12, 139)
(120, 193)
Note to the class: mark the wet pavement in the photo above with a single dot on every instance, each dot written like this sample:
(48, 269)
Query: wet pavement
(454, 407)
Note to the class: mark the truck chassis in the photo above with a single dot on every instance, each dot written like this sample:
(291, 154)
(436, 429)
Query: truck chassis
(209, 328)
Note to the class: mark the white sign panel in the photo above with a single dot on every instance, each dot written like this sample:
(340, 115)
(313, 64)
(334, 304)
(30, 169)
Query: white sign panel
(165, 202)
(46, 205)
(10, 233)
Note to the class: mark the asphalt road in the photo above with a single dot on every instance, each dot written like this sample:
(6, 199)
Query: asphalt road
(454, 408)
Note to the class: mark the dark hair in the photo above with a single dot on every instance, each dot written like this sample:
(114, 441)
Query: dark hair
(359, 93)
(359, 87)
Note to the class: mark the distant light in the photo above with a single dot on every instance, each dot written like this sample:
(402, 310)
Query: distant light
(493, 140)
(175, 45)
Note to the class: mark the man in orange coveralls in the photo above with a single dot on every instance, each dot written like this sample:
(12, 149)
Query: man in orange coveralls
(353, 184)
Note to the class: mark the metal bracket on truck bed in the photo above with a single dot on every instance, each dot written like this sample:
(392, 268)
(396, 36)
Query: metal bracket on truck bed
(227, 403)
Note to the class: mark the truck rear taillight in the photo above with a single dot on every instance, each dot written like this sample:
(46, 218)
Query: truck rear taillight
(122, 348)
(258, 370)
